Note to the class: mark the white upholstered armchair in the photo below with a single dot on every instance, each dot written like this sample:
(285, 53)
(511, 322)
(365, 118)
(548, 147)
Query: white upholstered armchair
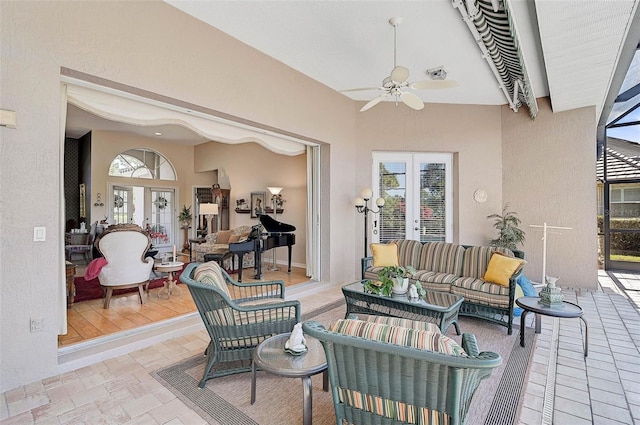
(124, 247)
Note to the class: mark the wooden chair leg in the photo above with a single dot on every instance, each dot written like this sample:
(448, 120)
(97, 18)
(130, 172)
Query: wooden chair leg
(141, 292)
(107, 299)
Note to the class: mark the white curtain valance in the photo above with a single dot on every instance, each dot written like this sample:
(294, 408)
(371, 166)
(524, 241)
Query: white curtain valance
(124, 108)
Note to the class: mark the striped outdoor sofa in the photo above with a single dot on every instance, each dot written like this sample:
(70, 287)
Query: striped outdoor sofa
(457, 269)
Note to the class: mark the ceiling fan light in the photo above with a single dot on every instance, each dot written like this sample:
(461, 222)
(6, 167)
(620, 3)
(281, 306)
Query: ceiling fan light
(400, 74)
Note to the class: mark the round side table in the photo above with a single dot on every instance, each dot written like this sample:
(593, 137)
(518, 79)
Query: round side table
(564, 310)
(271, 357)
(170, 283)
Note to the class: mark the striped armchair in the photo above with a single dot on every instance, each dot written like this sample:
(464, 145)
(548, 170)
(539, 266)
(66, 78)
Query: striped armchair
(400, 383)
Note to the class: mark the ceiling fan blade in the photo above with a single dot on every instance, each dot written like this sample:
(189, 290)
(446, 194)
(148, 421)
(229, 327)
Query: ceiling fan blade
(362, 89)
(433, 84)
(373, 102)
(400, 74)
(411, 100)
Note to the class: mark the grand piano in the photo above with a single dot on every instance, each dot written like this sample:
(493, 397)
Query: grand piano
(269, 234)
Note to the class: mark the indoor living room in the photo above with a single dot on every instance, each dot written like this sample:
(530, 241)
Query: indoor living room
(87, 136)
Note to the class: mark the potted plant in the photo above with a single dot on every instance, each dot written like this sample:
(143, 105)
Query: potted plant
(185, 216)
(509, 234)
(393, 280)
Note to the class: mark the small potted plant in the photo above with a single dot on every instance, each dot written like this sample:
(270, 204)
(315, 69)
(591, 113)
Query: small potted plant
(185, 216)
(509, 234)
(394, 279)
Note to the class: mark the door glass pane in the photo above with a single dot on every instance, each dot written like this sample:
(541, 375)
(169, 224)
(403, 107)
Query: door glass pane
(393, 189)
(122, 205)
(432, 202)
(624, 221)
(162, 217)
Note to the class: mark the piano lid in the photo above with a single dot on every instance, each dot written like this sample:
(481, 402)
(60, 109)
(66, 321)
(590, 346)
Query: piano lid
(272, 225)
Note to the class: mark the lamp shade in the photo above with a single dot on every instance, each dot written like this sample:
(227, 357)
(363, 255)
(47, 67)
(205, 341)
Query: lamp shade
(206, 209)
(274, 190)
(380, 202)
(366, 193)
(359, 202)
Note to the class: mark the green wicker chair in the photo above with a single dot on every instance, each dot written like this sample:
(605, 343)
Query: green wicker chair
(376, 382)
(237, 316)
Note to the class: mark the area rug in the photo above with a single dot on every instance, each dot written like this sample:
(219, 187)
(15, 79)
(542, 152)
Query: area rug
(226, 400)
(91, 289)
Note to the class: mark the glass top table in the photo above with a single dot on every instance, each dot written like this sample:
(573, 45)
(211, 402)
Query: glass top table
(441, 308)
(271, 357)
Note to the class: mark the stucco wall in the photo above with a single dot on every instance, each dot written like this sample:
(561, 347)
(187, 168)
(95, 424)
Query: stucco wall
(131, 44)
(549, 176)
(471, 133)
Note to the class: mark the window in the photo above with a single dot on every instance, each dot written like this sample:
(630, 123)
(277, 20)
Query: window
(418, 194)
(142, 164)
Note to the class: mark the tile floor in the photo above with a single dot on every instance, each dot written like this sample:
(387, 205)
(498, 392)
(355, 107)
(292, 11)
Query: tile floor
(563, 387)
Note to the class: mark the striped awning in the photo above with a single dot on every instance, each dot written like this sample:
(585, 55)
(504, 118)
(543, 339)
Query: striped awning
(494, 31)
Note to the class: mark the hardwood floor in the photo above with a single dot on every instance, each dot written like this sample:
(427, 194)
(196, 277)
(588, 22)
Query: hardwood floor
(87, 319)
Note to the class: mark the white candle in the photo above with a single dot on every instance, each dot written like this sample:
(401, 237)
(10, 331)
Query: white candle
(174, 253)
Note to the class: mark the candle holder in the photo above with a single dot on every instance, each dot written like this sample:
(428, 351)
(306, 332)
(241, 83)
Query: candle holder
(550, 294)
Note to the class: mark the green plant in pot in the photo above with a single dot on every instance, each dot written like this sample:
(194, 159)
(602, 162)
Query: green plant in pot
(509, 233)
(185, 216)
(393, 280)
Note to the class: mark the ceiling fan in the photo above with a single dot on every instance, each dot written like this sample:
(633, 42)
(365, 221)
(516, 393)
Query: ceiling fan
(396, 84)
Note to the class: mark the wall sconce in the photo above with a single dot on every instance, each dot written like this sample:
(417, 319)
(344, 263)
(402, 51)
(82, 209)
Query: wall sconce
(98, 202)
(7, 118)
(362, 206)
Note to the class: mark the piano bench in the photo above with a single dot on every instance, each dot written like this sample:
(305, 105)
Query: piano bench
(219, 258)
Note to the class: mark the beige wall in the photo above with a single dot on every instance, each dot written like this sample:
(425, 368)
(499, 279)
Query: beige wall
(107, 144)
(130, 45)
(549, 172)
(249, 167)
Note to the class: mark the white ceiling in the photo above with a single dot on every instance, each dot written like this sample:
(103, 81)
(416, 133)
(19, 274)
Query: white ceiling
(571, 56)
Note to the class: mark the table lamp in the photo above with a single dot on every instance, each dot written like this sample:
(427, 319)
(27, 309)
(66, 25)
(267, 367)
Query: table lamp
(209, 211)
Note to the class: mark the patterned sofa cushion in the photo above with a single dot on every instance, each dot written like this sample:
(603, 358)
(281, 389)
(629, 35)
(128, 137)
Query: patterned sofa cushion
(476, 259)
(211, 246)
(441, 257)
(434, 281)
(416, 338)
(408, 251)
(478, 291)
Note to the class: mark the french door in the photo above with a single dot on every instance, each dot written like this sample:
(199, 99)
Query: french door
(151, 208)
(418, 193)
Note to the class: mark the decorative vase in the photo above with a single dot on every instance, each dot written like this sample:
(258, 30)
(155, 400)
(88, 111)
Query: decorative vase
(401, 285)
(550, 294)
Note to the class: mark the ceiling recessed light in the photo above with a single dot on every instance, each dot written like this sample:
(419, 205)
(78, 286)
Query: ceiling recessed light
(157, 133)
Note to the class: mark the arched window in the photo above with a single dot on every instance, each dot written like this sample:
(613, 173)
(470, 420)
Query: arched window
(142, 164)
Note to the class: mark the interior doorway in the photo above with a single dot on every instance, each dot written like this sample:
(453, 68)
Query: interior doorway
(130, 191)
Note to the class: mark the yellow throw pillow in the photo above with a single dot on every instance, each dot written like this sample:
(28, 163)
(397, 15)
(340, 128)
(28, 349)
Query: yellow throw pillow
(501, 268)
(384, 254)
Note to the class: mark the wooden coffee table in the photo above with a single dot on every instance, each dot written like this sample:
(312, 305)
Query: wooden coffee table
(436, 307)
